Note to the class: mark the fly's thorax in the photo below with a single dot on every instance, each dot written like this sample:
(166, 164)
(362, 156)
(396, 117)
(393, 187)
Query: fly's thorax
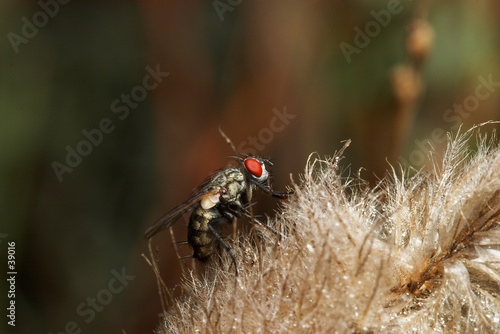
(234, 174)
(234, 189)
(234, 185)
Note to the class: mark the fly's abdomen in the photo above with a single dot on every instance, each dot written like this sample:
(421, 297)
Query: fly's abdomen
(200, 237)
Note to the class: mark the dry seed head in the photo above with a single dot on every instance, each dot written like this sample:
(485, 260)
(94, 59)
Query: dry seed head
(413, 255)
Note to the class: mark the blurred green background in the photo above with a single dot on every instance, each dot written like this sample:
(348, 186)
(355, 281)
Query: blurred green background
(67, 67)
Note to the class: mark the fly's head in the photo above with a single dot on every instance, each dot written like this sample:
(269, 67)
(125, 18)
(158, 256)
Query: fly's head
(258, 175)
(255, 170)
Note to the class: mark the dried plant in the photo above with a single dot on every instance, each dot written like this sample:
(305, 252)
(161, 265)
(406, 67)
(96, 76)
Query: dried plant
(416, 254)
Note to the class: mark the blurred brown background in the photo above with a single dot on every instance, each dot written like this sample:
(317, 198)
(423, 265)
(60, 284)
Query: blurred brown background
(271, 74)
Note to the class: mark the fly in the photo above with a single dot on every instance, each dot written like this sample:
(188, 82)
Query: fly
(216, 202)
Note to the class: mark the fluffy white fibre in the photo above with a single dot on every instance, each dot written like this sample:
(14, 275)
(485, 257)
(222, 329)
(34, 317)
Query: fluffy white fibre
(414, 255)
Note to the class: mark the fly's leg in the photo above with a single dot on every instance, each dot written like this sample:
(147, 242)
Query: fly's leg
(222, 242)
(240, 211)
(278, 194)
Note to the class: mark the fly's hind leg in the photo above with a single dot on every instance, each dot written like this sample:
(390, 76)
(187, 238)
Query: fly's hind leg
(222, 242)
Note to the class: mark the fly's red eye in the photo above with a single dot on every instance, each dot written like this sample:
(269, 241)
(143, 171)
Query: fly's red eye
(253, 167)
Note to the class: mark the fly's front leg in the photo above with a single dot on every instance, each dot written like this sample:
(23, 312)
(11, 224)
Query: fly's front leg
(278, 194)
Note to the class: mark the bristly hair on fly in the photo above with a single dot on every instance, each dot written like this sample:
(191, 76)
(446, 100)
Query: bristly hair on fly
(415, 254)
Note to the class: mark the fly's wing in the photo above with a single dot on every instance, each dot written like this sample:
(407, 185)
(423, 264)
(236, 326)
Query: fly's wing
(207, 188)
(169, 218)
